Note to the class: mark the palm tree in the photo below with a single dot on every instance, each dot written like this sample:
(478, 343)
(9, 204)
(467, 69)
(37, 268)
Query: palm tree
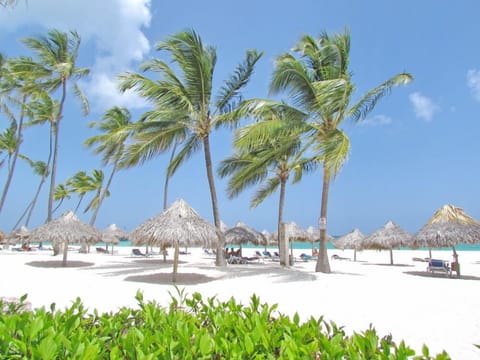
(96, 183)
(267, 153)
(41, 169)
(56, 58)
(115, 128)
(318, 81)
(185, 107)
(61, 193)
(80, 183)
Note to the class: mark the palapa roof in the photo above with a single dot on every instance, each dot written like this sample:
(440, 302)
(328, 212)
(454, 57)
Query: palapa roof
(112, 234)
(179, 222)
(2, 236)
(314, 234)
(68, 228)
(389, 236)
(449, 225)
(243, 234)
(293, 231)
(350, 240)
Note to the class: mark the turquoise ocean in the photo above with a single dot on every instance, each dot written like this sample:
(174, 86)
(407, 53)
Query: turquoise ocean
(301, 245)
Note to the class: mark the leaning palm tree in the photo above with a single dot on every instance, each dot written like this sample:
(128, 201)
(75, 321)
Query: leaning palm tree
(61, 193)
(185, 107)
(266, 154)
(318, 81)
(56, 56)
(80, 183)
(111, 144)
(40, 168)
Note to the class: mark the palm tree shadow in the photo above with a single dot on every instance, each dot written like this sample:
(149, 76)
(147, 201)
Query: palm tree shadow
(134, 267)
(441, 275)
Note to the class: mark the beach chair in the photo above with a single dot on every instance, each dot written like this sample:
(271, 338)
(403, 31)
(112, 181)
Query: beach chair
(305, 257)
(137, 252)
(101, 250)
(436, 265)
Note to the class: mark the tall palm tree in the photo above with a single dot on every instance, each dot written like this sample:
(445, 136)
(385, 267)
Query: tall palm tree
(56, 56)
(96, 182)
(111, 143)
(185, 107)
(317, 78)
(266, 154)
(40, 168)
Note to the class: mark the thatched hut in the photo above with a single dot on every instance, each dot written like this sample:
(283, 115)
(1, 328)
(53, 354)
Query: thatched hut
(65, 230)
(450, 225)
(112, 235)
(242, 234)
(388, 237)
(350, 240)
(178, 225)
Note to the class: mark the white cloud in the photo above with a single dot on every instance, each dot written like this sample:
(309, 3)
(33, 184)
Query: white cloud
(110, 29)
(377, 120)
(473, 82)
(423, 106)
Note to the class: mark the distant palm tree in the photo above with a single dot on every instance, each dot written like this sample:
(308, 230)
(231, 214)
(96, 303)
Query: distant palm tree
(111, 143)
(266, 154)
(318, 81)
(40, 168)
(80, 183)
(96, 182)
(56, 57)
(61, 193)
(185, 107)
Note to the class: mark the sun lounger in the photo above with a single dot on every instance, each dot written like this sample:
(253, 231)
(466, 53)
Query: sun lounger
(436, 265)
(338, 257)
(137, 252)
(101, 250)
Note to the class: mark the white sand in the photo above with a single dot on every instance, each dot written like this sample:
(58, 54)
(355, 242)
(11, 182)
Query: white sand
(440, 312)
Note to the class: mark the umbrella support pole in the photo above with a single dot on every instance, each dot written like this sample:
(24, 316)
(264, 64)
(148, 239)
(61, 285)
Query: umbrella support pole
(457, 264)
(175, 262)
(391, 256)
(65, 252)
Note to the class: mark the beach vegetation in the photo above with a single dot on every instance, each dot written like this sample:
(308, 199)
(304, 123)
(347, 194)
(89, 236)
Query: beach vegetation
(316, 77)
(186, 111)
(191, 327)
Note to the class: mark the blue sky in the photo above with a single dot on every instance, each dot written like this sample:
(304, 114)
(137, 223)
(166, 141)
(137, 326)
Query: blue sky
(417, 151)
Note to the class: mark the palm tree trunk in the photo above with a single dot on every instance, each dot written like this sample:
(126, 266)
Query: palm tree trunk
(103, 194)
(167, 178)
(11, 168)
(35, 198)
(322, 262)
(281, 236)
(220, 258)
(56, 129)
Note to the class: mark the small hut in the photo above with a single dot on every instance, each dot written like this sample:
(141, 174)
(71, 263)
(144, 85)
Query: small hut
(112, 235)
(388, 237)
(243, 234)
(65, 230)
(351, 240)
(450, 225)
(178, 225)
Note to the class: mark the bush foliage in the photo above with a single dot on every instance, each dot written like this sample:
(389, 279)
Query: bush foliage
(190, 328)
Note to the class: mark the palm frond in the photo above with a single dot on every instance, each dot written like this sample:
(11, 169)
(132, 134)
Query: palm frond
(269, 187)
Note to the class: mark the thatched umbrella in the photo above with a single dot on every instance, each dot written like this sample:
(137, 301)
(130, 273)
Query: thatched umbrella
(449, 226)
(388, 237)
(350, 241)
(314, 236)
(179, 225)
(243, 234)
(2, 237)
(112, 235)
(65, 230)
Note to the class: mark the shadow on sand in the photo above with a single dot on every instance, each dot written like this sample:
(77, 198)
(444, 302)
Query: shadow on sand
(166, 279)
(442, 276)
(58, 264)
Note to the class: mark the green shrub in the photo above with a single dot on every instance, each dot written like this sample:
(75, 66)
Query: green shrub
(190, 328)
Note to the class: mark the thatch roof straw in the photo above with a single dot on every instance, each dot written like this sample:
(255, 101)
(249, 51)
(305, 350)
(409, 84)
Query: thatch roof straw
(179, 223)
(2, 236)
(449, 225)
(19, 234)
(243, 234)
(314, 234)
(66, 229)
(295, 233)
(388, 237)
(113, 234)
(350, 240)
(223, 226)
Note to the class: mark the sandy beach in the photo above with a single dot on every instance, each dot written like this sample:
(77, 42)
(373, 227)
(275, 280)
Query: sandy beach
(401, 300)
